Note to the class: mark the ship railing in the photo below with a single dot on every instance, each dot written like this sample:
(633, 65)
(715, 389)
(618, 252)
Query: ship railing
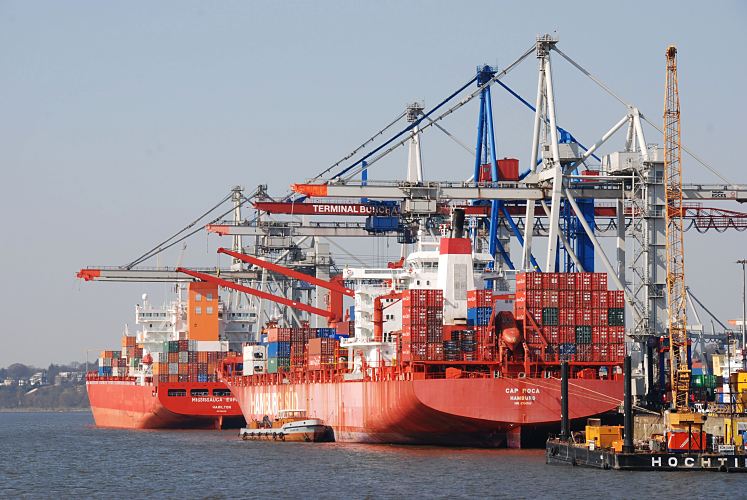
(95, 377)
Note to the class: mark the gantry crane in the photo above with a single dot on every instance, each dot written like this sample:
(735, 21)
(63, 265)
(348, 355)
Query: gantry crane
(676, 292)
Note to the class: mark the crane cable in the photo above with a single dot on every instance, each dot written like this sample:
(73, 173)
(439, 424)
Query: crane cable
(433, 121)
(363, 145)
(622, 101)
(160, 247)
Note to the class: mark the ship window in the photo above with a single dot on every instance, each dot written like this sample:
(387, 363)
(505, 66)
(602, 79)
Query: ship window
(209, 296)
(199, 392)
(198, 297)
(221, 393)
(208, 310)
(198, 310)
(177, 392)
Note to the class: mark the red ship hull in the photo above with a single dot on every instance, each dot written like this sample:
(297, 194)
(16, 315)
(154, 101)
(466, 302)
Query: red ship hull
(124, 404)
(458, 412)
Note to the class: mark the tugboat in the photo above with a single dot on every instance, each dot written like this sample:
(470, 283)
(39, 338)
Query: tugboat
(290, 425)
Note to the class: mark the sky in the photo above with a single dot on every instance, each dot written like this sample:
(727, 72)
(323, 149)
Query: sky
(120, 122)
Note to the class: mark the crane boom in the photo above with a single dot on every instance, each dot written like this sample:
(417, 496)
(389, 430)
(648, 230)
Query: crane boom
(258, 293)
(676, 293)
(289, 272)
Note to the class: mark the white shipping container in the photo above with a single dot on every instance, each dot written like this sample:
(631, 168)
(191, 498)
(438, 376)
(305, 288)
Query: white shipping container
(255, 367)
(211, 345)
(254, 353)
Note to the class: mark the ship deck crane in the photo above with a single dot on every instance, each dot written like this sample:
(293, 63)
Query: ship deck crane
(333, 313)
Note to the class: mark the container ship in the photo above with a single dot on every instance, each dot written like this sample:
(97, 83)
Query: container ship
(165, 375)
(434, 357)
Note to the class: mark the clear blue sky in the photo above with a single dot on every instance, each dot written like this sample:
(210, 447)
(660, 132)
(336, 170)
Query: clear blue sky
(121, 121)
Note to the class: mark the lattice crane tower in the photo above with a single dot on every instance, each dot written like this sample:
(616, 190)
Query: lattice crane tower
(676, 295)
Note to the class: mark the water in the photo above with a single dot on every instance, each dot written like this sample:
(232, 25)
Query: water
(64, 455)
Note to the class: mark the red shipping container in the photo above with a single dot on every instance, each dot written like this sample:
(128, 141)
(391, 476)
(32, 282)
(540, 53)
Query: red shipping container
(534, 298)
(599, 299)
(567, 317)
(599, 317)
(583, 317)
(567, 298)
(528, 281)
(479, 298)
(599, 281)
(566, 281)
(567, 334)
(583, 299)
(617, 334)
(550, 281)
(686, 441)
(619, 351)
(435, 351)
(583, 281)
(603, 334)
(507, 169)
(552, 334)
(615, 298)
(521, 282)
(550, 298)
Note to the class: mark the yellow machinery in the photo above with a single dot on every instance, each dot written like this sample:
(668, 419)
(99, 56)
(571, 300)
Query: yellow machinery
(603, 436)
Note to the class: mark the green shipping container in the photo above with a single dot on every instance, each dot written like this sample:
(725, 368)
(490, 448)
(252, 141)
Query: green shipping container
(274, 363)
(550, 316)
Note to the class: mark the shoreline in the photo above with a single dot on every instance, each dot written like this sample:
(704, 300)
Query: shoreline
(45, 410)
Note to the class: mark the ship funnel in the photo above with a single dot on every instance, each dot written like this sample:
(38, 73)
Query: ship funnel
(457, 223)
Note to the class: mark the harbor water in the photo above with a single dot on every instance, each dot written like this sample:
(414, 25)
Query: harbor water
(64, 455)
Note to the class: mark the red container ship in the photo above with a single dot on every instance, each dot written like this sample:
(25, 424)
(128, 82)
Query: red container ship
(436, 359)
(122, 402)
(165, 375)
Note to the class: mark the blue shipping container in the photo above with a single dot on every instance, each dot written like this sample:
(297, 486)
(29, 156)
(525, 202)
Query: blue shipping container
(325, 333)
(566, 349)
(479, 315)
(278, 349)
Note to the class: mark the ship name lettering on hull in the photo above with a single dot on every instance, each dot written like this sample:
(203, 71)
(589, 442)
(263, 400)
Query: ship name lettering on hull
(523, 396)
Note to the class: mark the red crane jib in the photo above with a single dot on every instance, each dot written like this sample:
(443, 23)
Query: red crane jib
(258, 293)
(335, 287)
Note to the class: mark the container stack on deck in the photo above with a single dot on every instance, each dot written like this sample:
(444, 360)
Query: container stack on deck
(111, 364)
(422, 325)
(189, 360)
(278, 349)
(571, 316)
(479, 312)
(298, 347)
(131, 351)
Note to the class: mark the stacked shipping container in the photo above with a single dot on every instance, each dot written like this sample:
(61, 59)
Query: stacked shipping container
(479, 312)
(422, 325)
(188, 361)
(571, 316)
(289, 347)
